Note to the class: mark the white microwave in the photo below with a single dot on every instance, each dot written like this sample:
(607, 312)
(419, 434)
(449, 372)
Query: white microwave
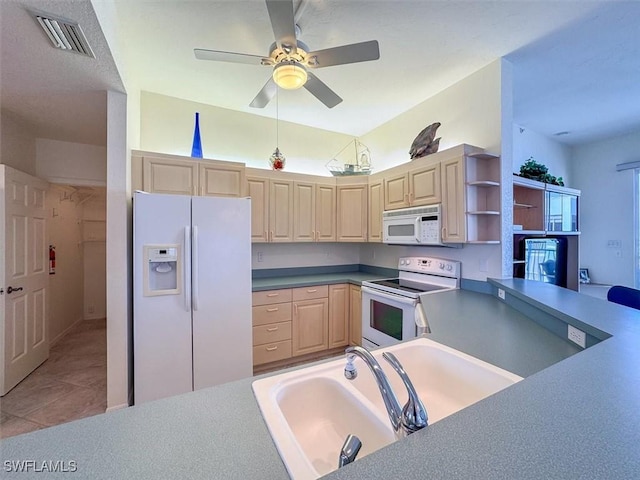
(412, 226)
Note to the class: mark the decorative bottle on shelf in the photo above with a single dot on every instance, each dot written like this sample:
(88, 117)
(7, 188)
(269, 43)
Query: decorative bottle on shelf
(196, 149)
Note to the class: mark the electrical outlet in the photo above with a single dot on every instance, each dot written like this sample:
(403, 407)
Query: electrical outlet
(577, 336)
(92, 309)
(260, 256)
(501, 294)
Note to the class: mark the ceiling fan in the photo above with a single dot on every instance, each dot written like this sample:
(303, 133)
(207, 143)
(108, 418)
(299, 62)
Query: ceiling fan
(291, 59)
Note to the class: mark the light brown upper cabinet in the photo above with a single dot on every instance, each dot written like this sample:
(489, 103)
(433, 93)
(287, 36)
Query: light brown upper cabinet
(376, 207)
(314, 212)
(471, 198)
(352, 213)
(158, 173)
(271, 209)
(280, 210)
(169, 175)
(418, 186)
(258, 190)
(221, 180)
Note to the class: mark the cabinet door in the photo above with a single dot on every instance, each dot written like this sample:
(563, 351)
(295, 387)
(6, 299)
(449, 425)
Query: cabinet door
(561, 212)
(355, 315)
(221, 180)
(280, 211)
(258, 190)
(164, 175)
(453, 201)
(376, 207)
(424, 185)
(338, 315)
(310, 326)
(396, 192)
(325, 213)
(352, 213)
(304, 212)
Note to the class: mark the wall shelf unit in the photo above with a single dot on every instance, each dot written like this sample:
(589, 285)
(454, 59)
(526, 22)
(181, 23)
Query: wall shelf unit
(483, 195)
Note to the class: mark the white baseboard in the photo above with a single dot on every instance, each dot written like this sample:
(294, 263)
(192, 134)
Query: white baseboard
(61, 335)
(116, 407)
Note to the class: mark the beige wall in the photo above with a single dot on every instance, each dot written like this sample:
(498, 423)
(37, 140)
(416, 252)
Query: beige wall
(469, 112)
(94, 215)
(167, 124)
(606, 208)
(17, 144)
(66, 286)
(71, 163)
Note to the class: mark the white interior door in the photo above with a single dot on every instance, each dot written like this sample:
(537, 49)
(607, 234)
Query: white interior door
(24, 275)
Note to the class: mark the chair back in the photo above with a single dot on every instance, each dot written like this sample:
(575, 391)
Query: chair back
(629, 297)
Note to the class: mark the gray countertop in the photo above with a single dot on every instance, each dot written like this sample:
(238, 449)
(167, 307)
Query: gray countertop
(576, 418)
(293, 281)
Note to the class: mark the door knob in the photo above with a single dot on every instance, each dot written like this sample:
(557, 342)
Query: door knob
(12, 289)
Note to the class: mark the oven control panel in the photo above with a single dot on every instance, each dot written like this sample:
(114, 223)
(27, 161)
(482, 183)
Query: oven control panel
(432, 265)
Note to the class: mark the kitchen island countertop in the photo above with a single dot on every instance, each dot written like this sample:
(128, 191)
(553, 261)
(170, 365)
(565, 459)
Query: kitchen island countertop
(574, 419)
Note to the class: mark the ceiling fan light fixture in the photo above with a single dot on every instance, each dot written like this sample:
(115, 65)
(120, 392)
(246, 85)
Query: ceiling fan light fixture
(290, 75)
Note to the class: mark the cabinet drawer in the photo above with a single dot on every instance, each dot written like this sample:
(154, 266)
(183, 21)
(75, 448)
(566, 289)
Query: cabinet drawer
(272, 332)
(309, 293)
(271, 352)
(274, 313)
(268, 297)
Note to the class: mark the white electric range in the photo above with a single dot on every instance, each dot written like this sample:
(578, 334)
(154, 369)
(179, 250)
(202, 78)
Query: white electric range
(391, 310)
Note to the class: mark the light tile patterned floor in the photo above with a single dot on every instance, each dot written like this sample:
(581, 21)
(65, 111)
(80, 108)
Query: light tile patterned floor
(70, 385)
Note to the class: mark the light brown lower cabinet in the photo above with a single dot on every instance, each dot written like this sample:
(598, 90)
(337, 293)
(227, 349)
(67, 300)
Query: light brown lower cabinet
(272, 326)
(339, 315)
(355, 315)
(310, 331)
(298, 321)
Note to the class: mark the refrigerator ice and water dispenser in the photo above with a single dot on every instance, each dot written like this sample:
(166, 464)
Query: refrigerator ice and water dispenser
(162, 270)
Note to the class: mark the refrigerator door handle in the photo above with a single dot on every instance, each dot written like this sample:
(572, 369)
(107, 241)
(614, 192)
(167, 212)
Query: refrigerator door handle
(194, 270)
(187, 268)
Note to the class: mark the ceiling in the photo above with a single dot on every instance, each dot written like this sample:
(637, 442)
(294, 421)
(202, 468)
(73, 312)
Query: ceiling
(576, 64)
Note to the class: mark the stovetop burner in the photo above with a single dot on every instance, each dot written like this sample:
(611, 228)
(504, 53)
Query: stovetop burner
(420, 275)
(397, 283)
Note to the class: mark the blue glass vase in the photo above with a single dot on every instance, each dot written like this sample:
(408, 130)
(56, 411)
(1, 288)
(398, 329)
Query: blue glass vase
(196, 149)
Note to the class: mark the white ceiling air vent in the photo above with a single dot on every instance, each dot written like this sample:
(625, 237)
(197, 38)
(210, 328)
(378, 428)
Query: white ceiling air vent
(64, 34)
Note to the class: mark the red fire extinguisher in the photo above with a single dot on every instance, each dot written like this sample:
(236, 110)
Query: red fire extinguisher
(52, 260)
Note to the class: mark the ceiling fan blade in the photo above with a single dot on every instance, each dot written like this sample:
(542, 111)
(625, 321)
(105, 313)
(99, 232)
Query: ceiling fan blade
(353, 53)
(283, 23)
(265, 95)
(320, 90)
(217, 56)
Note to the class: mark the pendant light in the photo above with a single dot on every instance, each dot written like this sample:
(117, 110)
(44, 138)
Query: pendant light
(277, 160)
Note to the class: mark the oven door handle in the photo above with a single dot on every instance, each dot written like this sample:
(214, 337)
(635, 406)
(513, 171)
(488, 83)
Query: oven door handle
(390, 296)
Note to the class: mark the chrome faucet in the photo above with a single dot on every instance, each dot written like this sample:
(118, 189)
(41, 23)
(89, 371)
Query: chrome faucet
(406, 420)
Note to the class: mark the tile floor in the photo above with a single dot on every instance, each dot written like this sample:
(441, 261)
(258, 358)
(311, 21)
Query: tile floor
(70, 385)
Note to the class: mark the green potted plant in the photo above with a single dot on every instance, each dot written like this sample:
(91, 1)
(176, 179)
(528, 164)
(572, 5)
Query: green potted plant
(537, 171)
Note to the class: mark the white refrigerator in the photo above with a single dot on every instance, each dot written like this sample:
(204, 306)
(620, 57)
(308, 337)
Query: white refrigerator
(192, 293)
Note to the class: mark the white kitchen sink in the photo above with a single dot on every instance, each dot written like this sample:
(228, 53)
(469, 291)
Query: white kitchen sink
(310, 412)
